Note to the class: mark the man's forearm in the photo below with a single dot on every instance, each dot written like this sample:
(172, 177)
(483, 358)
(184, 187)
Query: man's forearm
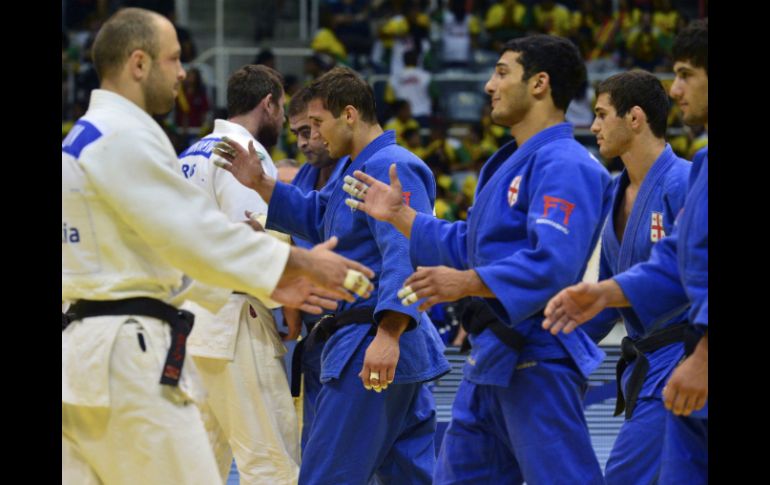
(296, 264)
(265, 187)
(613, 295)
(476, 286)
(393, 323)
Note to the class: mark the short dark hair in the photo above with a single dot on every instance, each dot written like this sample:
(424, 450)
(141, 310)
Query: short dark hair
(556, 56)
(126, 31)
(341, 87)
(298, 103)
(249, 85)
(692, 44)
(638, 88)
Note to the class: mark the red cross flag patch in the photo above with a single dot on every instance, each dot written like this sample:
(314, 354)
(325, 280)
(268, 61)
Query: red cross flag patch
(513, 190)
(656, 227)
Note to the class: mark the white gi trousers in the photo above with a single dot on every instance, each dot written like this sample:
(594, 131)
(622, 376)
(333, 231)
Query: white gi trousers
(248, 411)
(147, 433)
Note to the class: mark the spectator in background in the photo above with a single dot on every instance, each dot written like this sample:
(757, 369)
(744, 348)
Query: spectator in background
(584, 22)
(642, 45)
(441, 151)
(192, 106)
(266, 58)
(459, 35)
(413, 84)
(405, 31)
(666, 21)
(476, 147)
(317, 64)
(401, 120)
(86, 79)
(350, 21)
(506, 20)
(552, 18)
(413, 142)
(287, 169)
(326, 41)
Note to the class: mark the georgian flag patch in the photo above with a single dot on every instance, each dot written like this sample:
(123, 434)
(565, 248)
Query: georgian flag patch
(513, 190)
(656, 227)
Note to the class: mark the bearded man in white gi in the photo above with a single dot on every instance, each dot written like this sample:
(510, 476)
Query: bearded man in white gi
(249, 410)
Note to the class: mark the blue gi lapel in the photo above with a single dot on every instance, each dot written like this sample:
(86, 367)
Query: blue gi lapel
(641, 213)
(610, 243)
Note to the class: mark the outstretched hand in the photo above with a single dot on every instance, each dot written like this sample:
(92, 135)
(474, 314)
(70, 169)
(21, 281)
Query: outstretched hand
(573, 306)
(337, 273)
(373, 197)
(246, 166)
(435, 284)
(300, 293)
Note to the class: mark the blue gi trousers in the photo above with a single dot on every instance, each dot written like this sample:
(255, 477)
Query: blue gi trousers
(685, 450)
(532, 430)
(356, 433)
(635, 456)
(311, 372)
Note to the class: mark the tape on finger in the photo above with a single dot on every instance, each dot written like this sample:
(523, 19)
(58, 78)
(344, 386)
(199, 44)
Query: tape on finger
(407, 295)
(356, 282)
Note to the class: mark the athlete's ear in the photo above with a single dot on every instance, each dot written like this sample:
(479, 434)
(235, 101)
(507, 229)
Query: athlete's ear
(637, 117)
(540, 83)
(138, 64)
(350, 113)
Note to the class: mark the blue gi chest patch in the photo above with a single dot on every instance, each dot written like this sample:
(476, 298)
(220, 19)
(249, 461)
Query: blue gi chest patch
(513, 190)
(656, 227)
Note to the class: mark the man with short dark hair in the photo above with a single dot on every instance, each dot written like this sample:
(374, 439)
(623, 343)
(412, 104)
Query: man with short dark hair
(238, 350)
(132, 231)
(357, 434)
(675, 276)
(539, 205)
(631, 111)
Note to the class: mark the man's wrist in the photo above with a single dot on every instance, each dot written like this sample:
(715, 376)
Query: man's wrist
(403, 220)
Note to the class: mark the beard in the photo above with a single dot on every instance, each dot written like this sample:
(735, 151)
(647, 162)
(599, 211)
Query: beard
(268, 133)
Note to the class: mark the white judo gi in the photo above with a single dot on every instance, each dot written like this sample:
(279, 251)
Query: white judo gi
(131, 227)
(249, 411)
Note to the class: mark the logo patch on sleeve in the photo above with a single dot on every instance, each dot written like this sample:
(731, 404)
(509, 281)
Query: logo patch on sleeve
(556, 213)
(656, 227)
(513, 190)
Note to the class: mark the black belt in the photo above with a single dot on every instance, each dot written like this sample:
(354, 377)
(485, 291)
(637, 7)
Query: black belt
(477, 316)
(322, 331)
(181, 322)
(631, 351)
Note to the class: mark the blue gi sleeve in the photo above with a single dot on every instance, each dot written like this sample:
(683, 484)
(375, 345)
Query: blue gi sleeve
(695, 259)
(394, 247)
(566, 207)
(654, 288)
(601, 325)
(297, 213)
(436, 242)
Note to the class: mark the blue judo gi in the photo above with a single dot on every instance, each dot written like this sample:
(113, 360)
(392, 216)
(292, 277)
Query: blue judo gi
(537, 217)
(676, 276)
(635, 456)
(356, 433)
(306, 180)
